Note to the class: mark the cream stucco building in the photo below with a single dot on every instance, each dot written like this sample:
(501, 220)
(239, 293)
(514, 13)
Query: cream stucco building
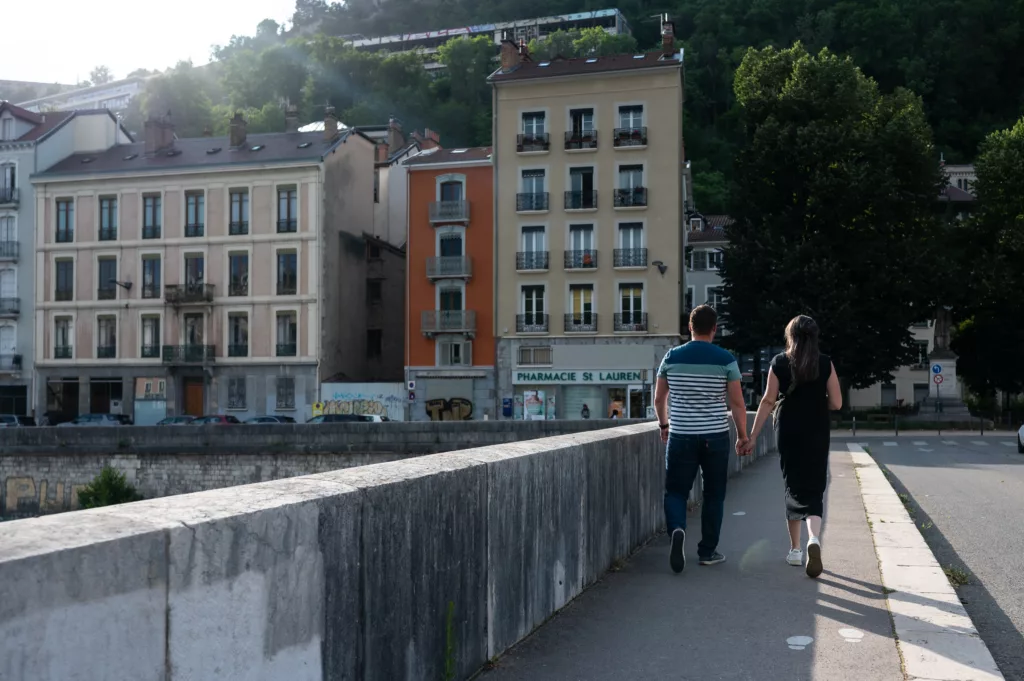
(206, 275)
(588, 190)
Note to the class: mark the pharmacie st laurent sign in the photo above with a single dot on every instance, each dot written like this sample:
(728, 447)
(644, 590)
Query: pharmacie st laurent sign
(576, 376)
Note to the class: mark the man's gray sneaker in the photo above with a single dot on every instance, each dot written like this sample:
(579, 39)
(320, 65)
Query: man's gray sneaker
(713, 559)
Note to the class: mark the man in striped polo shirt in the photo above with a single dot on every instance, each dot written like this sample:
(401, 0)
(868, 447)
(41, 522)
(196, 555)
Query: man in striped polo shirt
(698, 384)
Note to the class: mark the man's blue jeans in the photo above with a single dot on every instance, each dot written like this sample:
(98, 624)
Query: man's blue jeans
(683, 455)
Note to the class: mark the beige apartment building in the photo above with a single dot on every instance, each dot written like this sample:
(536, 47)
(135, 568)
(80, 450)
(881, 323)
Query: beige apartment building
(205, 275)
(588, 190)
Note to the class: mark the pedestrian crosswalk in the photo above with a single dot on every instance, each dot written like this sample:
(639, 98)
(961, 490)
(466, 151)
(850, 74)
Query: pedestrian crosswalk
(924, 445)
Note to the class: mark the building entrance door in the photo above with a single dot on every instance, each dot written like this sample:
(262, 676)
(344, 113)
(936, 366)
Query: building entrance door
(193, 402)
(639, 400)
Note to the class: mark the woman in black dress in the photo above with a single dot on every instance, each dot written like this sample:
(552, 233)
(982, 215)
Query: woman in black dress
(802, 388)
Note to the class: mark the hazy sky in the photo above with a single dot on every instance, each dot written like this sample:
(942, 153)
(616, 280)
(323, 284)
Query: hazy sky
(62, 41)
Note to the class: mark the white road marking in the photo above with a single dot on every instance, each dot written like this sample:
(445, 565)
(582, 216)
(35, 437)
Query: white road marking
(1009, 444)
(980, 443)
(799, 642)
(851, 635)
(925, 449)
(920, 443)
(740, 513)
(889, 444)
(949, 442)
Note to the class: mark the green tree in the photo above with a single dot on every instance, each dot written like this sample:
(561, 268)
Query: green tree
(182, 92)
(989, 340)
(101, 75)
(109, 488)
(588, 42)
(834, 211)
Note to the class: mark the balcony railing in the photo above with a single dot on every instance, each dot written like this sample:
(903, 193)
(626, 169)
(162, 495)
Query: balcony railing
(64, 294)
(10, 307)
(287, 349)
(238, 227)
(10, 362)
(62, 352)
(581, 322)
(9, 249)
(580, 200)
(238, 289)
(532, 260)
(532, 201)
(287, 288)
(64, 236)
(108, 234)
(151, 290)
(8, 196)
(106, 293)
(448, 321)
(194, 230)
(150, 351)
(580, 260)
(290, 225)
(238, 350)
(631, 198)
(456, 266)
(151, 231)
(630, 137)
(184, 294)
(631, 322)
(449, 211)
(533, 141)
(581, 140)
(189, 354)
(532, 323)
(106, 351)
(629, 257)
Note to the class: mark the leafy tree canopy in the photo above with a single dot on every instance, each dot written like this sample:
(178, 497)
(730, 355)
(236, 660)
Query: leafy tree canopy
(101, 75)
(834, 207)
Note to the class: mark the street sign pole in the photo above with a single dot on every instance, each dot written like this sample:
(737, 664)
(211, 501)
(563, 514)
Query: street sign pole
(938, 392)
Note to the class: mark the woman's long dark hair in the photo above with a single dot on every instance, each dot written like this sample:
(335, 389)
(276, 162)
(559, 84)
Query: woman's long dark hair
(802, 348)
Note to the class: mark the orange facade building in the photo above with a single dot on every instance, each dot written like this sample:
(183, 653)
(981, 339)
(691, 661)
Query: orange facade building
(450, 347)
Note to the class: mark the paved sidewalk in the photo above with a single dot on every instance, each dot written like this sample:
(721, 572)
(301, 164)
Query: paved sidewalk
(737, 620)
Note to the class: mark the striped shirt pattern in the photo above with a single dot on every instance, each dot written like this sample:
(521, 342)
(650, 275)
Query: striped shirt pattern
(698, 374)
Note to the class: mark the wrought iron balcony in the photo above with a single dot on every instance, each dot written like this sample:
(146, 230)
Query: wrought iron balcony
(533, 141)
(9, 196)
(287, 288)
(631, 198)
(284, 226)
(238, 227)
(449, 266)
(581, 200)
(150, 351)
(449, 211)
(580, 260)
(106, 351)
(448, 321)
(151, 232)
(586, 139)
(532, 201)
(189, 354)
(237, 289)
(532, 323)
(65, 236)
(108, 234)
(631, 322)
(532, 260)
(186, 294)
(287, 349)
(629, 257)
(64, 294)
(106, 293)
(238, 350)
(10, 307)
(150, 290)
(10, 362)
(195, 230)
(630, 137)
(581, 322)
(9, 249)
(62, 352)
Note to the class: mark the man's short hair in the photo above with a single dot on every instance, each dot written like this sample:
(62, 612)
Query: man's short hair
(703, 319)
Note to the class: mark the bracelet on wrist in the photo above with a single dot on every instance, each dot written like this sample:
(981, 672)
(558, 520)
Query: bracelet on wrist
(663, 426)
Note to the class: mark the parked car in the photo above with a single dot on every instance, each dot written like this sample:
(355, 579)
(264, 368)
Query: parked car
(376, 418)
(340, 418)
(98, 420)
(217, 420)
(16, 421)
(1020, 440)
(256, 420)
(183, 420)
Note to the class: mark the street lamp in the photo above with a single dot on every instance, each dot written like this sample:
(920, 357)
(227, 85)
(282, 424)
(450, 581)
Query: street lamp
(126, 285)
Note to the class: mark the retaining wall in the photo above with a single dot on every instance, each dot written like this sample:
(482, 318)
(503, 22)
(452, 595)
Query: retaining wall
(382, 572)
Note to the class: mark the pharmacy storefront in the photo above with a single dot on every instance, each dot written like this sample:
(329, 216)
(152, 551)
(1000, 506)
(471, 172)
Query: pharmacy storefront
(582, 394)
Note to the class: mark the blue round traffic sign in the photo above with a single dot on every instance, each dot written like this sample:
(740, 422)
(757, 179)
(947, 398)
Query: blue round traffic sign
(936, 368)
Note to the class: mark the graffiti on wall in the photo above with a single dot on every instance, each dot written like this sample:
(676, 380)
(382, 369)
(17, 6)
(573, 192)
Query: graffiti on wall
(455, 409)
(375, 399)
(23, 495)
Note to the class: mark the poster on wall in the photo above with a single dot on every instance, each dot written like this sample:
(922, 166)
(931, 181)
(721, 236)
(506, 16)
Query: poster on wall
(519, 407)
(551, 407)
(533, 405)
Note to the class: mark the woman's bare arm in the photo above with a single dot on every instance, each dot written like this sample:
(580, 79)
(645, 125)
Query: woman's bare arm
(764, 410)
(835, 393)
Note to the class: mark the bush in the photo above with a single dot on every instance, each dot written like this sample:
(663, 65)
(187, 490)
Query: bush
(109, 488)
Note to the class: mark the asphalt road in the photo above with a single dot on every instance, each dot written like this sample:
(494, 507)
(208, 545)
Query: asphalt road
(967, 496)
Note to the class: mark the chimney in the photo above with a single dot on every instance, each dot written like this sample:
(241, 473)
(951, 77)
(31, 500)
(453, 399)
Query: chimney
(396, 140)
(330, 124)
(159, 132)
(237, 130)
(668, 35)
(430, 139)
(510, 55)
(382, 153)
(291, 118)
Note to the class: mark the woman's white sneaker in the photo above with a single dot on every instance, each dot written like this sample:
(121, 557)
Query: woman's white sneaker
(814, 566)
(795, 557)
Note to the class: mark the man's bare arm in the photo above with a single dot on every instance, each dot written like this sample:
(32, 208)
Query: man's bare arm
(739, 409)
